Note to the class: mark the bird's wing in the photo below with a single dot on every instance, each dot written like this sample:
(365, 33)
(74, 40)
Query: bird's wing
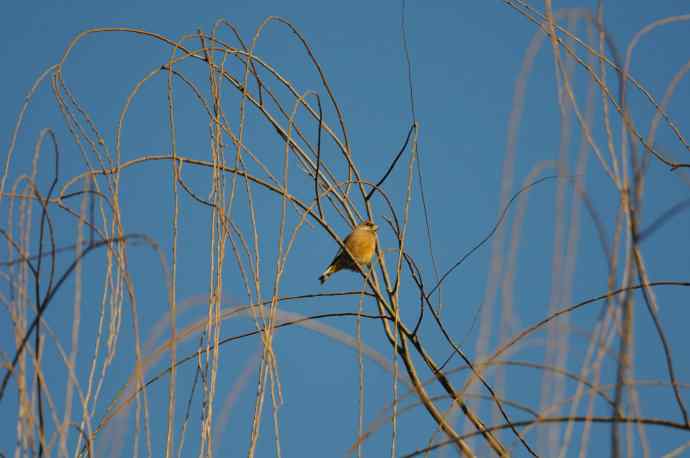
(340, 250)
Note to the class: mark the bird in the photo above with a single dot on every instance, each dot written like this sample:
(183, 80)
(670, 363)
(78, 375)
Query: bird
(361, 243)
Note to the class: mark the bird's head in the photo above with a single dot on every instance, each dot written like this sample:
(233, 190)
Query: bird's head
(368, 226)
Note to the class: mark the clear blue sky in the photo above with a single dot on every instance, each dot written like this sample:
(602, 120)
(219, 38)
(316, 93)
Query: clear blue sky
(465, 59)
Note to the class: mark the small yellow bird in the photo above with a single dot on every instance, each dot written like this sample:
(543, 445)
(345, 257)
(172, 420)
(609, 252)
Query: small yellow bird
(361, 243)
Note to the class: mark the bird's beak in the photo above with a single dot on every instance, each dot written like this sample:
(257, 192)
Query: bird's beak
(375, 228)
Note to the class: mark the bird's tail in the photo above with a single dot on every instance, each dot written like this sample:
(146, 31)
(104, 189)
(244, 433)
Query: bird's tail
(327, 273)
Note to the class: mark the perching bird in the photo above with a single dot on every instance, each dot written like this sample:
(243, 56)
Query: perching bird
(361, 243)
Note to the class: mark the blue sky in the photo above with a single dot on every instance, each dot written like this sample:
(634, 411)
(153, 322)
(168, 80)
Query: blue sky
(465, 60)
